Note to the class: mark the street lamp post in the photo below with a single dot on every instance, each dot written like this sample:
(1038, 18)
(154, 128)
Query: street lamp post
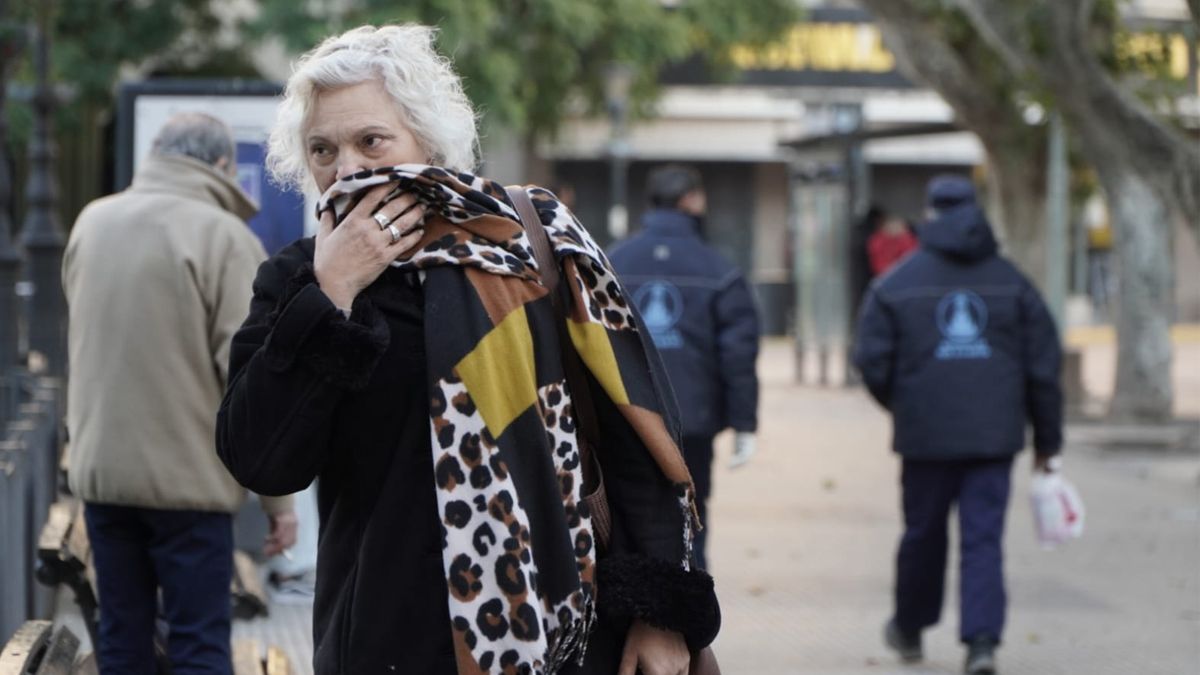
(42, 234)
(618, 80)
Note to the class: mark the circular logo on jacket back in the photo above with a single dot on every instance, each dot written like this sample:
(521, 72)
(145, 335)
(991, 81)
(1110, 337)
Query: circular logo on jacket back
(661, 305)
(962, 317)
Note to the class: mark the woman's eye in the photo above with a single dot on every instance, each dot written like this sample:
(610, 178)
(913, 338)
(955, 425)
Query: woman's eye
(319, 150)
(372, 141)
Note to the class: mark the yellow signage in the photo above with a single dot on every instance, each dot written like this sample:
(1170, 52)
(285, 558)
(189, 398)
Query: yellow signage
(835, 47)
(858, 47)
(1146, 50)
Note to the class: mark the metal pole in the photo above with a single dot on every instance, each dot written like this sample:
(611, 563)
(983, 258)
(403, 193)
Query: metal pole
(618, 80)
(1056, 219)
(858, 175)
(42, 235)
(1079, 254)
(10, 257)
(618, 213)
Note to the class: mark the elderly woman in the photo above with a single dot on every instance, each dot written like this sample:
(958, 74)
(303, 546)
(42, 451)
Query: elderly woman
(410, 357)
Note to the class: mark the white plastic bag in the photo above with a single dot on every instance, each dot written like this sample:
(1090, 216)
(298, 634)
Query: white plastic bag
(1057, 509)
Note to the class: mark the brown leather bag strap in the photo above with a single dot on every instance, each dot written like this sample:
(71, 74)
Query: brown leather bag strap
(573, 368)
(540, 240)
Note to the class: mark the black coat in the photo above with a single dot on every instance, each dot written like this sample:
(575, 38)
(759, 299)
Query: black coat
(959, 346)
(700, 312)
(312, 394)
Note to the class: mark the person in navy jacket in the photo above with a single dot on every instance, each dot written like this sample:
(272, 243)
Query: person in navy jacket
(698, 308)
(959, 347)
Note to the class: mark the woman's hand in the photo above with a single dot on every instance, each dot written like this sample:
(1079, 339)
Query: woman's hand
(351, 256)
(655, 651)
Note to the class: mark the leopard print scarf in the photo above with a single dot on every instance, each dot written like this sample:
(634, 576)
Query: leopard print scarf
(518, 548)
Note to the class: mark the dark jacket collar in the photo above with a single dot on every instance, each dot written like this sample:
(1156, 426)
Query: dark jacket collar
(669, 223)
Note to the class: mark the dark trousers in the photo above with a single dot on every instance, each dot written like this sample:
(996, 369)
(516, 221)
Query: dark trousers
(698, 454)
(189, 555)
(980, 489)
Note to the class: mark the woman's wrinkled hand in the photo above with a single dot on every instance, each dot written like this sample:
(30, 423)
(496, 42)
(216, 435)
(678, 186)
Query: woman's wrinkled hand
(655, 651)
(352, 255)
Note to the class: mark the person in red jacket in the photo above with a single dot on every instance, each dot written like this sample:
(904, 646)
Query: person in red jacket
(890, 244)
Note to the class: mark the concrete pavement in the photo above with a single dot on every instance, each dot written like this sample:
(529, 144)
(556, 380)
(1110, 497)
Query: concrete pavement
(803, 540)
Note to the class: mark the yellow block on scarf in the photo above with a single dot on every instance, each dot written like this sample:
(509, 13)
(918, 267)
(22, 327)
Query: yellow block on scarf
(595, 348)
(500, 374)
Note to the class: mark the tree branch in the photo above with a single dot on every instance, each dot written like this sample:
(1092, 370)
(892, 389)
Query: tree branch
(923, 54)
(1116, 126)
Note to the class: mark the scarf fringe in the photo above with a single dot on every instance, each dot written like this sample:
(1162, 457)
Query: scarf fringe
(688, 508)
(572, 642)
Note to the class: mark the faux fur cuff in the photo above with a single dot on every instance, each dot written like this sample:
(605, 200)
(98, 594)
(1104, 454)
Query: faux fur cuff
(306, 327)
(660, 593)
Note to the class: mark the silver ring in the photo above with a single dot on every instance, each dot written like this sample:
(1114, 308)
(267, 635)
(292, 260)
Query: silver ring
(395, 232)
(383, 220)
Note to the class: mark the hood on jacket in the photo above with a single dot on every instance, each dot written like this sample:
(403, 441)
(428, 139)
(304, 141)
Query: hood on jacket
(961, 232)
(193, 178)
(948, 191)
(670, 223)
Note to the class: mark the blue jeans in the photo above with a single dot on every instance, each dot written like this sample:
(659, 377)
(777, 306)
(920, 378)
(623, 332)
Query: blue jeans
(189, 555)
(980, 488)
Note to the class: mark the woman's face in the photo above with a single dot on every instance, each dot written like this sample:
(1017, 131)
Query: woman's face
(355, 128)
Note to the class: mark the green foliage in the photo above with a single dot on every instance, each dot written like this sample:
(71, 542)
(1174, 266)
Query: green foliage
(93, 39)
(524, 61)
(989, 73)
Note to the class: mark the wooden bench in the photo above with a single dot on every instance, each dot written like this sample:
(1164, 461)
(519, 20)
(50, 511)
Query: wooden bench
(65, 557)
(247, 659)
(249, 598)
(38, 649)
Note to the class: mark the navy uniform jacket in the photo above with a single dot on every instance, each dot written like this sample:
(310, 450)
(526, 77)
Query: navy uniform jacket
(698, 308)
(959, 346)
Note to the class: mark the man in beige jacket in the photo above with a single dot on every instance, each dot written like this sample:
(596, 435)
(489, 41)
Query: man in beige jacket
(158, 278)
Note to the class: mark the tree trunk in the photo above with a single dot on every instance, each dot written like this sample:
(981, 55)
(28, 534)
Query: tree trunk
(1149, 172)
(983, 102)
(1094, 103)
(1017, 204)
(1146, 291)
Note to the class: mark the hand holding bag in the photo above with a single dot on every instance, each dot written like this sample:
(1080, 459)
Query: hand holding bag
(702, 662)
(1058, 511)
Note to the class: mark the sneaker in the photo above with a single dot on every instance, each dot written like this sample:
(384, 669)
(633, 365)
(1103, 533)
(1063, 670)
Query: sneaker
(907, 645)
(981, 657)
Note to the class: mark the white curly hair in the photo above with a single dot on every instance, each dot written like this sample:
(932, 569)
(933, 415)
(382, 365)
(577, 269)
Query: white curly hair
(421, 82)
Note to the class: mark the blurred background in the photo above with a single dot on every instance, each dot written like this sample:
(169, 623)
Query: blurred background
(1079, 120)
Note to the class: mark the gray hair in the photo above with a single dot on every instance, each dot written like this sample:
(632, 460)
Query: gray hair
(196, 135)
(421, 82)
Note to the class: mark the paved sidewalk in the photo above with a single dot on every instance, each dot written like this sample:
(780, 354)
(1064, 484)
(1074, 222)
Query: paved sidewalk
(803, 541)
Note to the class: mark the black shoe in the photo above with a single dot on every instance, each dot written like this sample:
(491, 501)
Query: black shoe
(907, 645)
(981, 657)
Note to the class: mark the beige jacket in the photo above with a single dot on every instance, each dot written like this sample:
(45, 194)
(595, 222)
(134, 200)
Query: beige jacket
(158, 278)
